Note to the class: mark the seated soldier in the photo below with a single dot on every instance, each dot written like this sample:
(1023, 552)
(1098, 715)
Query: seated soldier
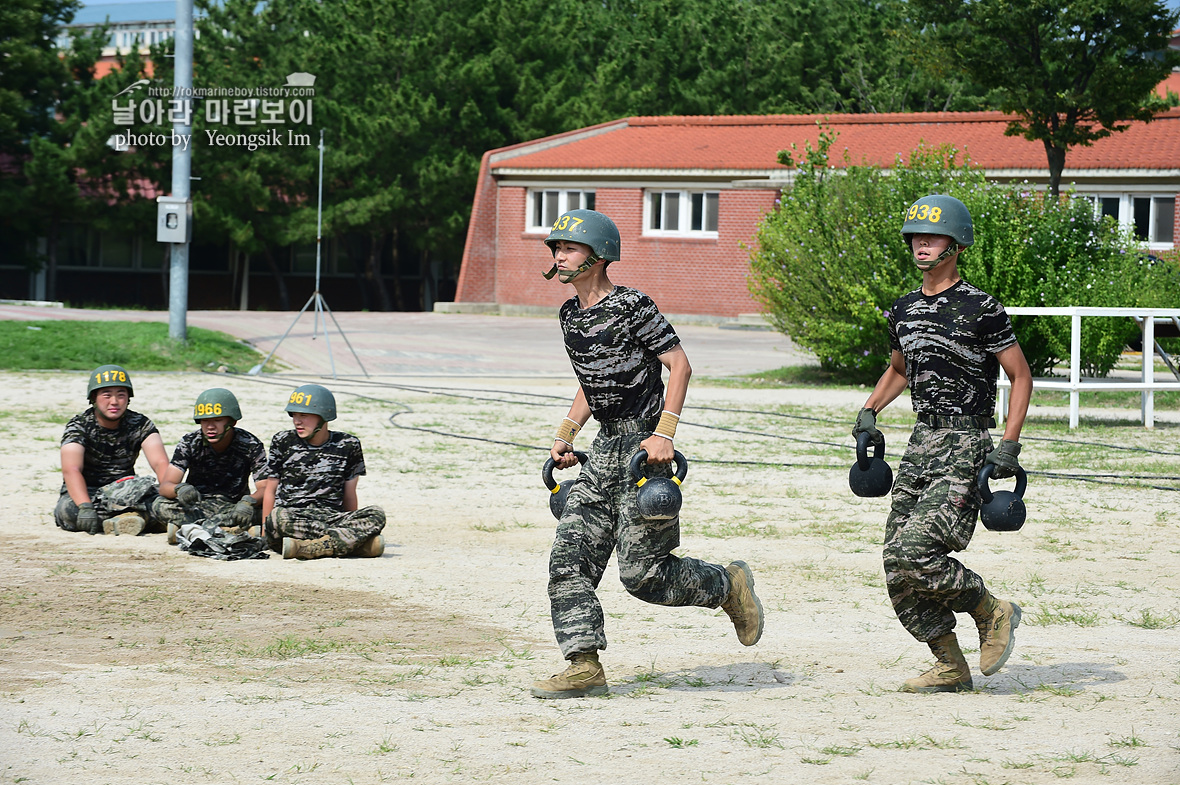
(99, 492)
(310, 505)
(219, 458)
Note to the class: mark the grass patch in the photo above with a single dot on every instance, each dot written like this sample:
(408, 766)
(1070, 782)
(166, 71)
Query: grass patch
(138, 346)
(789, 376)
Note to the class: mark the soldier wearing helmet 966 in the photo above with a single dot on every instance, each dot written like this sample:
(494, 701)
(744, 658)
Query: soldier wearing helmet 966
(310, 507)
(208, 478)
(949, 340)
(619, 344)
(100, 492)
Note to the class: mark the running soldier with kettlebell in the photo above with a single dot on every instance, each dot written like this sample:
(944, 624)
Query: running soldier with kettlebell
(310, 508)
(949, 340)
(208, 478)
(100, 492)
(618, 343)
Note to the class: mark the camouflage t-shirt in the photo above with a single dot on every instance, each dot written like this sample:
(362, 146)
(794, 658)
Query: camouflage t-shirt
(614, 346)
(222, 473)
(950, 341)
(314, 476)
(110, 453)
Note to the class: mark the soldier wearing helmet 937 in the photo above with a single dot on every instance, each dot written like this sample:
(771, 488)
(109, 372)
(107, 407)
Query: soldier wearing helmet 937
(208, 479)
(100, 492)
(949, 340)
(310, 507)
(619, 343)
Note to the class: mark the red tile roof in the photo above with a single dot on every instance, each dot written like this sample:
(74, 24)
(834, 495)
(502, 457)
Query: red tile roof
(752, 143)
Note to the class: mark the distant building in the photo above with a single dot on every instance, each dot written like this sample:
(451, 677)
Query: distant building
(691, 191)
(132, 26)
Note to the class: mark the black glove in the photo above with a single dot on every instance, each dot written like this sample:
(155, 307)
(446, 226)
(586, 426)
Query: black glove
(88, 519)
(1004, 459)
(866, 422)
(187, 495)
(243, 512)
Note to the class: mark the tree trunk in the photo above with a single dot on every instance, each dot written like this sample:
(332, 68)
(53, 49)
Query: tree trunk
(280, 282)
(51, 261)
(1056, 157)
(395, 253)
(165, 273)
(358, 272)
(373, 270)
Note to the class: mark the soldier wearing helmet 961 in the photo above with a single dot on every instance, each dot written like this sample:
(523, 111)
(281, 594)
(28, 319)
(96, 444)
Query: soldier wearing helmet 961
(619, 343)
(208, 478)
(949, 340)
(310, 508)
(99, 448)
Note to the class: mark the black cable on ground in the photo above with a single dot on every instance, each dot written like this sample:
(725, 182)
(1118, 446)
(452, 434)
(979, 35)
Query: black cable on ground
(1103, 479)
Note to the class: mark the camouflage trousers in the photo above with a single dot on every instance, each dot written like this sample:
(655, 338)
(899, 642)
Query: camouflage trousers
(211, 509)
(348, 530)
(130, 494)
(935, 508)
(600, 518)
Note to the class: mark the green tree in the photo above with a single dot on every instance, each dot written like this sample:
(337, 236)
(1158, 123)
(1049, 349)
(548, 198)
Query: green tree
(830, 260)
(1071, 73)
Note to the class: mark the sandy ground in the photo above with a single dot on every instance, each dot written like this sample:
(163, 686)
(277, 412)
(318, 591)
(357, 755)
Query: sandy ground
(124, 660)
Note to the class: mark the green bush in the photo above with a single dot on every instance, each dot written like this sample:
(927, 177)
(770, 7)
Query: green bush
(830, 259)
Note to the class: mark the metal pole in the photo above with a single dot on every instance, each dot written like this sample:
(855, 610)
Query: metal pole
(181, 165)
(319, 225)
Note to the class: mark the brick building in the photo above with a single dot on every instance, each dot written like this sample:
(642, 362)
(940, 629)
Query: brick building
(692, 191)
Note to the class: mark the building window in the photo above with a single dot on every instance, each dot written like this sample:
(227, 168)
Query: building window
(545, 205)
(681, 213)
(1151, 218)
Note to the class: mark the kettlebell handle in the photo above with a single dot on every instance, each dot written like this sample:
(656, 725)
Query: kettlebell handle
(639, 460)
(862, 451)
(550, 465)
(985, 474)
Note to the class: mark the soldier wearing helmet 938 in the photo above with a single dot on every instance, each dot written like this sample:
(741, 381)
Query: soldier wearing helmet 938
(100, 492)
(208, 479)
(310, 507)
(949, 340)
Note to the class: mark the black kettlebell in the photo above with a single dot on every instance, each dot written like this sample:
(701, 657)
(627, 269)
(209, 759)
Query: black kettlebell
(870, 476)
(558, 492)
(659, 498)
(1002, 511)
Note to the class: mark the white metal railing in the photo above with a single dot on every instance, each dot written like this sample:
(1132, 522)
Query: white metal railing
(1146, 384)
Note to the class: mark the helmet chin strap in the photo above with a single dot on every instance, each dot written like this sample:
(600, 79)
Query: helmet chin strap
(948, 252)
(218, 439)
(318, 428)
(568, 275)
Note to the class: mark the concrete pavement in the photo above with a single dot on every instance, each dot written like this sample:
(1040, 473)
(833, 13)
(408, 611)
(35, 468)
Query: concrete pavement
(434, 344)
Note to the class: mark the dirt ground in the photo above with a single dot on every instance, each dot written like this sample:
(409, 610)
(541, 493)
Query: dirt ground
(124, 660)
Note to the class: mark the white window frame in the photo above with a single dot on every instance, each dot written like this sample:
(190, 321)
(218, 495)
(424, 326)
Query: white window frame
(658, 216)
(1126, 214)
(549, 203)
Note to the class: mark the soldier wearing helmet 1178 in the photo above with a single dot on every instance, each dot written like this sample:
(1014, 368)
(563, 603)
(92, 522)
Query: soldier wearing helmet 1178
(208, 478)
(310, 507)
(619, 343)
(99, 492)
(949, 340)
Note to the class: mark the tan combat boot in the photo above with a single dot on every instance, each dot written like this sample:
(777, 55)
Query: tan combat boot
(308, 549)
(997, 621)
(950, 674)
(742, 604)
(125, 523)
(583, 677)
(173, 531)
(371, 548)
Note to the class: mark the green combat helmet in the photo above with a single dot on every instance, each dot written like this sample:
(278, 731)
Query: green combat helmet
(588, 227)
(216, 402)
(313, 399)
(108, 376)
(939, 214)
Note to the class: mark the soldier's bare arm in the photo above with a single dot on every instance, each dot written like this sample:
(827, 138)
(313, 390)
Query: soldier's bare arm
(72, 456)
